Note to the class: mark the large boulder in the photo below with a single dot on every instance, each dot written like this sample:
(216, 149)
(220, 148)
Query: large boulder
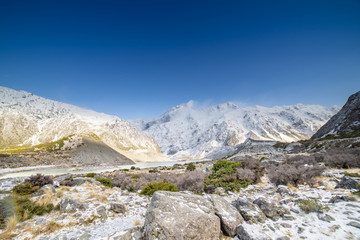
(249, 211)
(71, 205)
(347, 183)
(270, 209)
(117, 207)
(229, 216)
(174, 215)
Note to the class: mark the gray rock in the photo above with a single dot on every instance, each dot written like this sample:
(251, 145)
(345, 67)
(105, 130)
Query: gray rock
(219, 190)
(342, 198)
(354, 224)
(352, 205)
(325, 217)
(101, 211)
(229, 216)
(44, 189)
(244, 233)
(347, 183)
(40, 221)
(333, 228)
(283, 238)
(288, 217)
(270, 209)
(300, 230)
(117, 207)
(173, 215)
(294, 210)
(71, 205)
(81, 180)
(134, 233)
(285, 225)
(249, 211)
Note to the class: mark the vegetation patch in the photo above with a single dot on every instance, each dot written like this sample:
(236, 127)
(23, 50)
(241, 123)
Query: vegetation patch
(158, 186)
(224, 175)
(105, 182)
(190, 167)
(312, 205)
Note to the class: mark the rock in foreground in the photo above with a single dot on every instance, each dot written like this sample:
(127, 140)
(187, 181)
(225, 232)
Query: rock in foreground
(173, 215)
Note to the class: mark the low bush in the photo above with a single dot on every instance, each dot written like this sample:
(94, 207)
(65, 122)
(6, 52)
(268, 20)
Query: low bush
(352, 174)
(190, 167)
(224, 175)
(191, 181)
(158, 186)
(105, 182)
(224, 164)
(342, 158)
(311, 205)
(132, 168)
(252, 170)
(39, 180)
(284, 174)
(24, 189)
(90, 175)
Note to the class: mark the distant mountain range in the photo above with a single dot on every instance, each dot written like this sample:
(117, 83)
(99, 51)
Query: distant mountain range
(28, 119)
(188, 132)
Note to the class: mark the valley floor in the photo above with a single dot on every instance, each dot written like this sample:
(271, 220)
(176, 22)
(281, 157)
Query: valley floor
(112, 213)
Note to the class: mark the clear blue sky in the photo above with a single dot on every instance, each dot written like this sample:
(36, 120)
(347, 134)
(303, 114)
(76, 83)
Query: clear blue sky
(136, 59)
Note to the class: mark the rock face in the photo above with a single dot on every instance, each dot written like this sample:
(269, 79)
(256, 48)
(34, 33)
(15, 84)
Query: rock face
(270, 209)
(347, 183)
(186, 131)
(173, 215)
(71, 205)
(345, 121)
(249, 211)
(229, 216)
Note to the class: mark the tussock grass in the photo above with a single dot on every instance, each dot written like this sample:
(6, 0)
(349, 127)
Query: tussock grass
(10, 228)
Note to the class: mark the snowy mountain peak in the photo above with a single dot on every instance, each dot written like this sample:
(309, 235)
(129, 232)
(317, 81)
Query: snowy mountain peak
(29, 119)
(188, 132)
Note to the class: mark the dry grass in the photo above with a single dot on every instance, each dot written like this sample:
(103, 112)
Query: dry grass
(278, 196)
(137, 222)
(102, 198)
(46, 199)
(52, 227)
(60, 193)
(92, 195)
(292, 187)
(10, 228)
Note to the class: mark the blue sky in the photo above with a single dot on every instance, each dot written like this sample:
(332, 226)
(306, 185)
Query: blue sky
(136, 59)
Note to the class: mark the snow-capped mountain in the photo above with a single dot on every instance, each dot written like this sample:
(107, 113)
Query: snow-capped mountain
(29, 119)
(185, 131)
(345, 121)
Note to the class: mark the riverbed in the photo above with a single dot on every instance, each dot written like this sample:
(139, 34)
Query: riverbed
(54, 170)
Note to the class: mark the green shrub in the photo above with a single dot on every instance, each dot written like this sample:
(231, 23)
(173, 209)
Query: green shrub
(153, 171)
(226, 178)
(224, 164)
(352, 174)
(91, 175)
(158, 186)
(311, 205)
(132, 168)
(27, 209)
(125, 170)
(24, 189)
(105, 182)
(190, 167)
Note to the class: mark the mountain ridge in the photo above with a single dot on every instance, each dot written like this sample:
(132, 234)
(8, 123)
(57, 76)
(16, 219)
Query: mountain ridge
(188, 132)
(29, 119)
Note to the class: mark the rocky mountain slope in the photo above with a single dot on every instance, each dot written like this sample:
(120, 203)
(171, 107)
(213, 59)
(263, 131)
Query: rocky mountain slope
(347, 120)
(188, 132)
(28, 119)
